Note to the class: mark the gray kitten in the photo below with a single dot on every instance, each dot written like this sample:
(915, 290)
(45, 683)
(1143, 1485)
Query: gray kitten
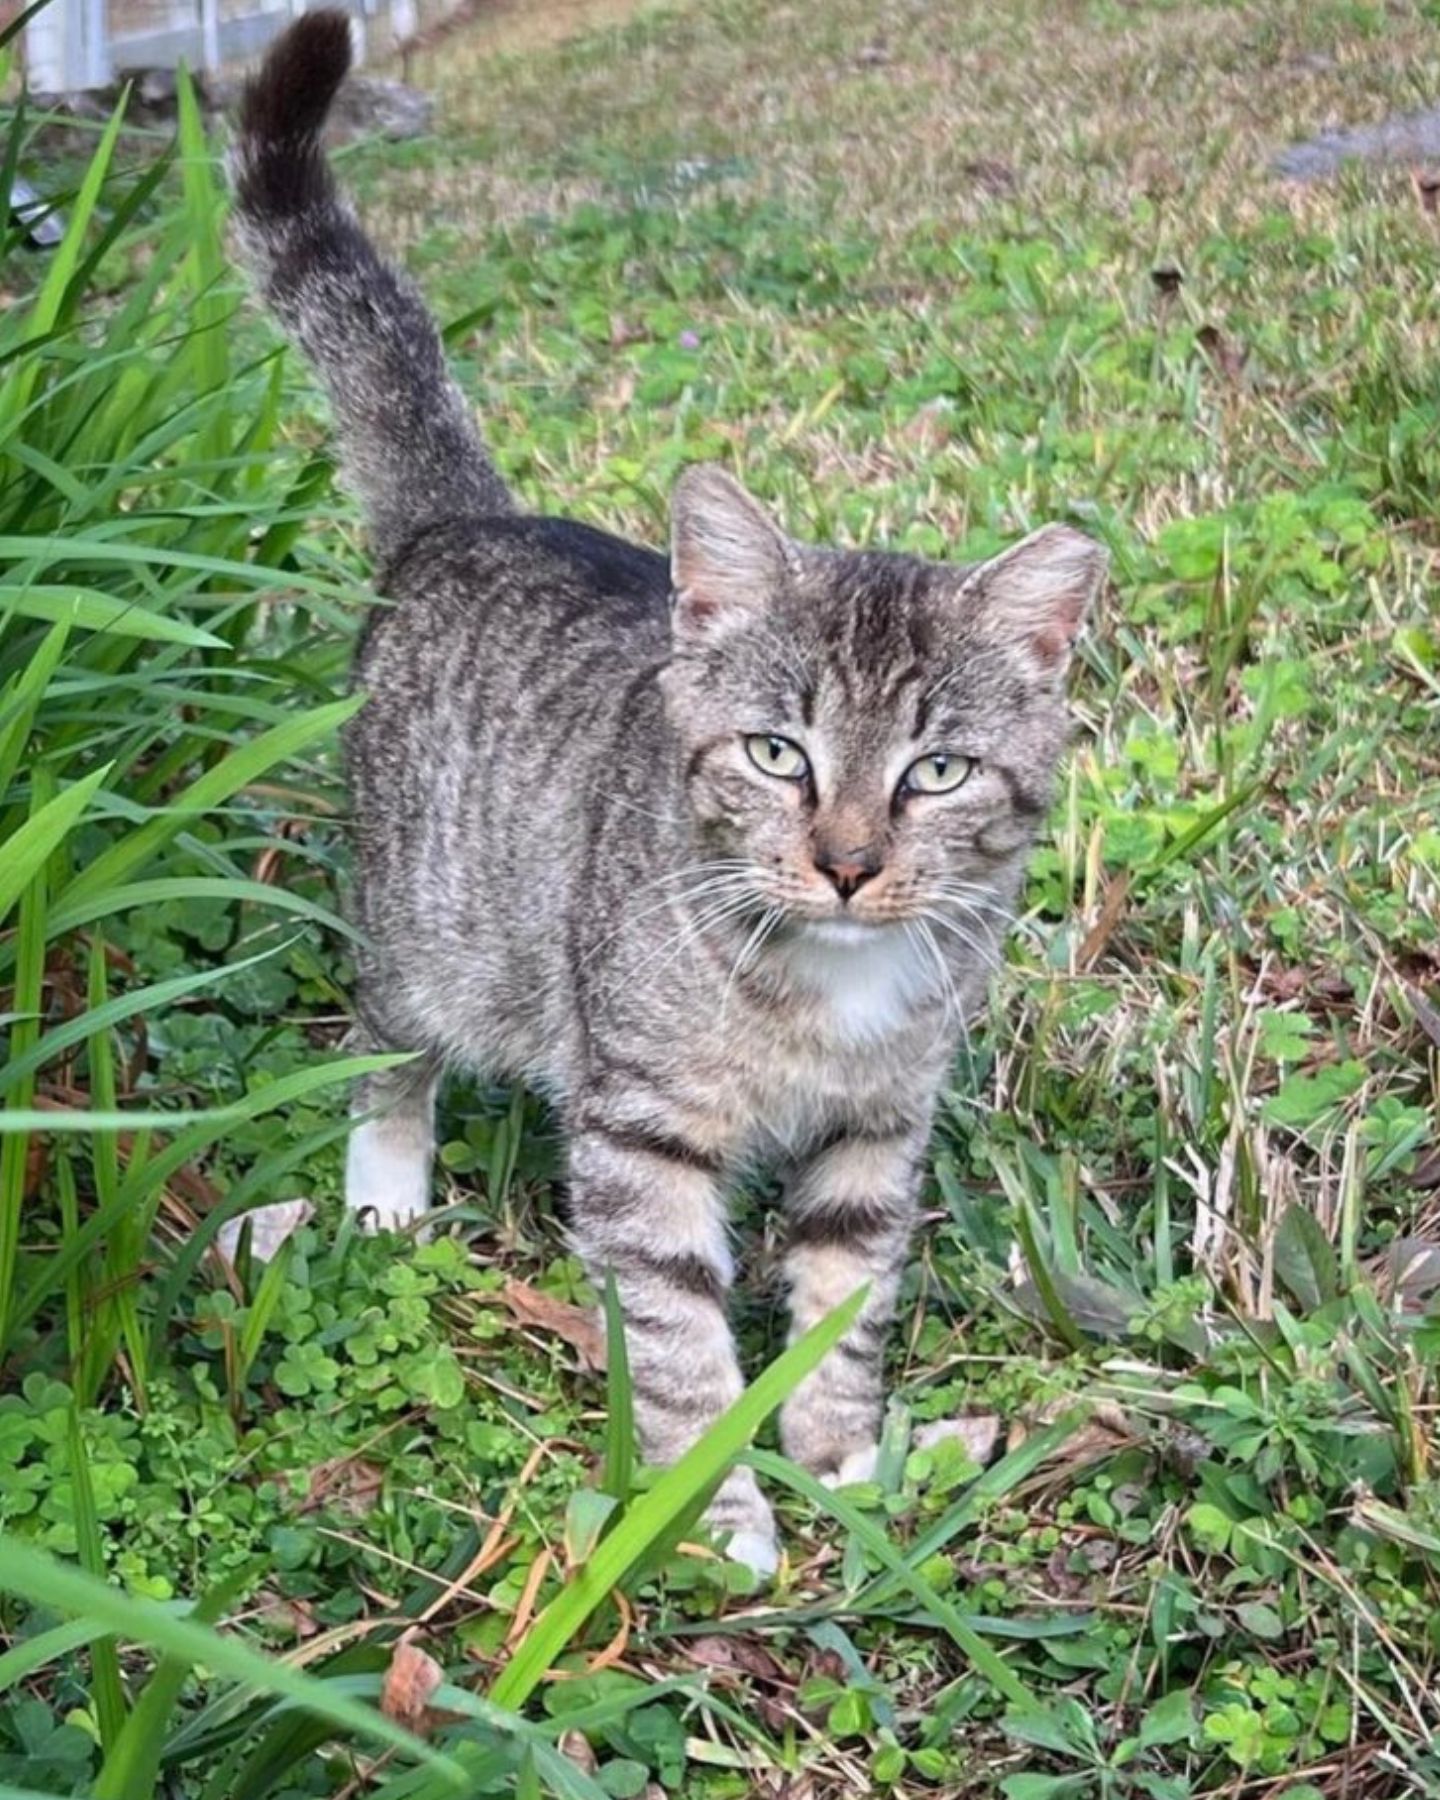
(715, 849)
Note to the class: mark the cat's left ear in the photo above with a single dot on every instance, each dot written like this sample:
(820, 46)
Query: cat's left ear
(1039, 592)
(728, 558)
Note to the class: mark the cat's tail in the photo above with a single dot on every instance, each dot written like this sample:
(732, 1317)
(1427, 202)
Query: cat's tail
(409, 447)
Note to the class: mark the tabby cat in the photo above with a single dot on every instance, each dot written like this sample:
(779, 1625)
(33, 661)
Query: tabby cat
(714, 849)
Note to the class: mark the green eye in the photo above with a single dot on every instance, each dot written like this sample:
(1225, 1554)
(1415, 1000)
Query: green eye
(941, 772)
(777, 756)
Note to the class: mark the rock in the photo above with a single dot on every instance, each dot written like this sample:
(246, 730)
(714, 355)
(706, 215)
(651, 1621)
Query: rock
(1412, 137)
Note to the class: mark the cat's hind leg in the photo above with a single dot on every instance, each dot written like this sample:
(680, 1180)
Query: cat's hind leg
(392, 1147)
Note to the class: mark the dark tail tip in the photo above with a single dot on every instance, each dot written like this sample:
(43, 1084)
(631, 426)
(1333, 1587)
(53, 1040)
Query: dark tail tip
(281, 170)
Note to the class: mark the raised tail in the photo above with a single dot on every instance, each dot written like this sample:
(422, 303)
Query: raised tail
(408, 445)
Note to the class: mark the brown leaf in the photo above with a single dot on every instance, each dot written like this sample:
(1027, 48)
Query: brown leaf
(1425, 1011)
(743, 1655)
(623, 333)
(930, 426)
(285, 1614)
(1426, 1173)
(1112, 911)
(978, 1432)
(410, 1681)
(270, 1226)
(542, 1312)
(1409, 1270)
(576, 1746)
(348, 1483)
(987, 172)
(1228, 357)
(1427, 189)
(1104, 1432)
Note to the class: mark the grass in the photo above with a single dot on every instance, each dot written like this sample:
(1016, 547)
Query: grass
(927, 275)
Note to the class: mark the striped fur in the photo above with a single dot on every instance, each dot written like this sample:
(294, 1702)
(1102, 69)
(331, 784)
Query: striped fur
(571, 871)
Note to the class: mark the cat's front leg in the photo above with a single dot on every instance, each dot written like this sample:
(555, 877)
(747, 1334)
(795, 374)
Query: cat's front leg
(648, 1203)
(851, 1208)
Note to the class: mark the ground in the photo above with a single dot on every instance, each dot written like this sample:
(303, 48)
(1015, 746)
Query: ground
(926, 275)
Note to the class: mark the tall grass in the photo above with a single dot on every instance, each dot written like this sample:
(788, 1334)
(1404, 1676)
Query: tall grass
(154, 691)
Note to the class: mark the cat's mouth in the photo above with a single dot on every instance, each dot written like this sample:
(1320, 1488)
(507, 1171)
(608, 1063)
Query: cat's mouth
(841, 930)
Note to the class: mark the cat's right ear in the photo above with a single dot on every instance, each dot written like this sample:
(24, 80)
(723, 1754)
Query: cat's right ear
(728, 558)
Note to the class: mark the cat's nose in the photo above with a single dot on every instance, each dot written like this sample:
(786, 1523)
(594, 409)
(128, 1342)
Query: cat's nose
(848, 870)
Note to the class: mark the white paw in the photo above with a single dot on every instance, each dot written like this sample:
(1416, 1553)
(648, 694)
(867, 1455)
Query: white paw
(387, 1176)
(758, 1551)
(858, 1466)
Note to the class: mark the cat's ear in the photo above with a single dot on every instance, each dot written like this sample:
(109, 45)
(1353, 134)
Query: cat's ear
(728, 558)
(1039, 592)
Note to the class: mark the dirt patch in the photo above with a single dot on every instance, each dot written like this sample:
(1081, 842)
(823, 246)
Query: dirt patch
(1403, 138)
(499, 27)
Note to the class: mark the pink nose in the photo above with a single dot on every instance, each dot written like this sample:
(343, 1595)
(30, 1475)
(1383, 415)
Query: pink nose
(848, 870)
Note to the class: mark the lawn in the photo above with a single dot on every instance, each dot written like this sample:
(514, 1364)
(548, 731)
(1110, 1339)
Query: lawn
(927, 273)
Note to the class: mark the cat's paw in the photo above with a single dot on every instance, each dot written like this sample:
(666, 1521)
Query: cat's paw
(759, 1551)
(855, 1465)
(743, 1523)
(387, 1179)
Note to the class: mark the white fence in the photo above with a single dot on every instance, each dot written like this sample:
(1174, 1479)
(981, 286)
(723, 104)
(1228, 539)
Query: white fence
(75, 44)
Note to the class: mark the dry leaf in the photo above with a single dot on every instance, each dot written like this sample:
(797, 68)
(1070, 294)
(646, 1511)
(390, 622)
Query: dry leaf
(1225, 354)
(573, 1324)
(622, 332)
(1104, 1432)
(348, 1483)
(1112, 911)
(1426, 1173)
(1427, 189)
(987, 172)
(269, 1226)
(294, 1616)
(576, 1746)
(978, 1432)
(1409, 1271)
(410, 1681)
(743, 1655)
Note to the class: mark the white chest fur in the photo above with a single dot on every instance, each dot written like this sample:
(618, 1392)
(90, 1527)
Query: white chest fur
(863, 982)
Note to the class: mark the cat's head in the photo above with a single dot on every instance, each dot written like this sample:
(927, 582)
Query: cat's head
(867, 738)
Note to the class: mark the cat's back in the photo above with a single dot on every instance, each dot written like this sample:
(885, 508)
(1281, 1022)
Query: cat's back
(515, 581)
(511, 660)
(503, 644)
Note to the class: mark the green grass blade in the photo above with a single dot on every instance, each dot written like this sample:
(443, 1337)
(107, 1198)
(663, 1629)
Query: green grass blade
(27, 1000)
(30, 1575)
(979, 1654)
(22, 1660)
(619, 1398)
(296, 1086)
(648, 1518)
(46, 311)
(131, 1770)
(106, 1692)
(69, 914)
(28, 850)
(91, 609)
(22, 698)
(124, 1006)
(246, 763)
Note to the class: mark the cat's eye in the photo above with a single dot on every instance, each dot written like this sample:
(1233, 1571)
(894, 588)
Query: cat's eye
(777, 756)
(941, 772)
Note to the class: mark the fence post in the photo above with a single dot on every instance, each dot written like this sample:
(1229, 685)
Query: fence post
(96, 54)
(210, 34)
(55, 47)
